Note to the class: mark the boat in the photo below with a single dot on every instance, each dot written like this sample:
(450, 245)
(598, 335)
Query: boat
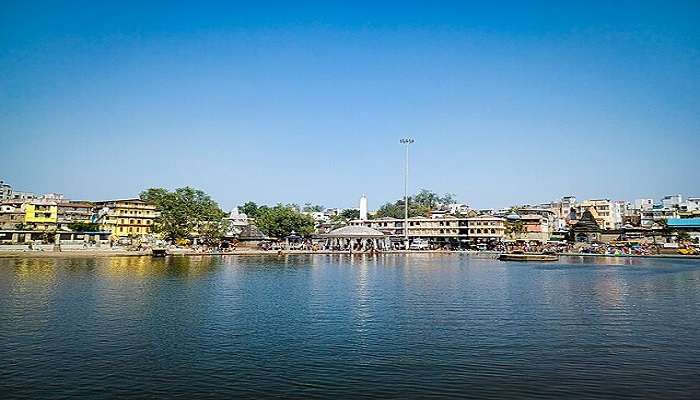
(528, 257)
(159, 252)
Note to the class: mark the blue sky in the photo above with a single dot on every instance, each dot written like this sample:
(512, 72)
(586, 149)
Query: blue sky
(509, 103)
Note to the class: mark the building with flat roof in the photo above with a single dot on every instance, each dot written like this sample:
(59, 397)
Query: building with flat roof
(5, 191)
(40, 215)
(70, 212)
(441, 230)
(125, 217)
(601, 210)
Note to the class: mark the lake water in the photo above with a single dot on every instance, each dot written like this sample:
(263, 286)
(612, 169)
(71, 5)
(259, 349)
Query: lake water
(391, 326)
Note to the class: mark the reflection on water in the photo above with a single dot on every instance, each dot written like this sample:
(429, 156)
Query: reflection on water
(371, 326)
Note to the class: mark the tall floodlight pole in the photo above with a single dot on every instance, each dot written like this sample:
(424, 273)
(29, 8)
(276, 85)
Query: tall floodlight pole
(405, 142)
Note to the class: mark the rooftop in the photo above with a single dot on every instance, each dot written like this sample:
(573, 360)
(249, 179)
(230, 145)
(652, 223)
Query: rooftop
(683, 222)
(354, 231)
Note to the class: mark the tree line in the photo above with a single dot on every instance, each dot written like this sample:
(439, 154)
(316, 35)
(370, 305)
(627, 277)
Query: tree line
(187, 213)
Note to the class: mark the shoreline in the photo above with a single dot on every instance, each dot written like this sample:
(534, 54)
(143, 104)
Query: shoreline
(185, 252)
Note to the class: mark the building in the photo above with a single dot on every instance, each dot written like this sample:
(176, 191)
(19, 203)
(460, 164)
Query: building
(643, 204)
(23, 196)
(536, 227)
(47, 240)
(689, 225)
(443, 230)
(125, 217)
(358, 238)
(57, 197)
(672, 201)
(601, 210)
(657, 215)
(617, 212)
(5, 191)
(40, 215)
(459, 208)
(11, 214)
(236, 222)
(70, 212)
(586, 229)
(690, 207)
(562, 212)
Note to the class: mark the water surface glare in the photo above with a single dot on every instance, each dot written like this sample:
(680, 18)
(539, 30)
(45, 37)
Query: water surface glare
(323, 326)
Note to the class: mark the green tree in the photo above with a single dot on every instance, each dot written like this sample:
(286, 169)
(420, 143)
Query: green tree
(279, 221)
(84, 227)
(344, 217)
(308, 207)
(186, 213)
(514, 229)
(419, 205)
(250, 209)
(350, 213)
(426, 198)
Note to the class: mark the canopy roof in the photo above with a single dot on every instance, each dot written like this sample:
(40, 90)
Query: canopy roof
(683, 223)
(354, 232)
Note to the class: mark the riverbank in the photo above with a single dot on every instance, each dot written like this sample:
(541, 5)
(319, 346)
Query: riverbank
(187, 252)
(252, 252)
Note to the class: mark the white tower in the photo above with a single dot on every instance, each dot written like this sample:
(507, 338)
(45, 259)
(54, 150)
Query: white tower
(363, 208)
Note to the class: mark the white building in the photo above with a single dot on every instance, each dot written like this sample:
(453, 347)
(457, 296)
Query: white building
(237, 221)
(672, 201)
(617, 212)
(643, 204)
(691, 204)
(459, 208)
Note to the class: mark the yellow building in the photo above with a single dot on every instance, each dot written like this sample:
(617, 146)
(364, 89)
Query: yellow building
(601, 210)
(41, 215)
(126, 217)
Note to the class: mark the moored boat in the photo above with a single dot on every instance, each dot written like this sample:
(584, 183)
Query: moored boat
(159, 252)
(527, 257)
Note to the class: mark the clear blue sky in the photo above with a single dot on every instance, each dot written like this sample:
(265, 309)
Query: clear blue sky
(284, 102)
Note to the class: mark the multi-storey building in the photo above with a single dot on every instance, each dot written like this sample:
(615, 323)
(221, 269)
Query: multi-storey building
(440, 230)
(536, 227)
(23, 196)
(672, 201)
(11, 214)
(562, 212)
(602, 212)
(5, 191)
(125, 217)
(643, 204)
(40, 214)
(691, 206)
(617, 212)
(74, 212)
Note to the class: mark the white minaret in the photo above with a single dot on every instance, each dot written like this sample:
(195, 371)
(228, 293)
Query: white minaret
(363, 208)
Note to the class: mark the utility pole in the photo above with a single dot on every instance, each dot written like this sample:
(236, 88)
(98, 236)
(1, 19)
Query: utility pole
(405, 141)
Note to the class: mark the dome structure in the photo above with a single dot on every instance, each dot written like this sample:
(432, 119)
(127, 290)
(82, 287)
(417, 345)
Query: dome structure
(354, 232)
(512, 217)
